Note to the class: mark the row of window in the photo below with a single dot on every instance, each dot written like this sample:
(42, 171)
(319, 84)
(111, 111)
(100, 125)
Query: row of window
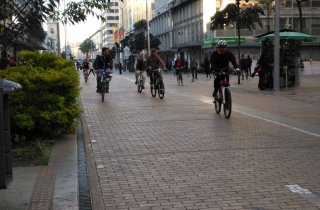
(113, 10)
(112, 17)
(187, 12)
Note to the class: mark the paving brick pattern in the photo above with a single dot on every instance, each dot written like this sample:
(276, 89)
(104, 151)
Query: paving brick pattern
(41, 198)
(177, 153)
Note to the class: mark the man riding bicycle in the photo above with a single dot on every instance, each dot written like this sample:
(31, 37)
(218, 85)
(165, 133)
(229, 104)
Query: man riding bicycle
(140, 68)
(153, 63)
(102, 62)
(220, 59)
(178, 65)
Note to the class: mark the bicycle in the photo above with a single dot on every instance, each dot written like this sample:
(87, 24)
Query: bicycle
(157, 84)
(224, 94)
(179, 76)
(140, 80)
(104, 84)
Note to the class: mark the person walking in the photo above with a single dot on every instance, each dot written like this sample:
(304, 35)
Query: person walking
(263, 66)
(194, 65)
(249, 64)
(243, 67)
(207, 67)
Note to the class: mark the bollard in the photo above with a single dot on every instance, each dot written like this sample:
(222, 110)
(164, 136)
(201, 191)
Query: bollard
(5, 139)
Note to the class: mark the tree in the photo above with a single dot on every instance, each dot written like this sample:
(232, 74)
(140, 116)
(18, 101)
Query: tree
(300, 13)
(267, 4)
(137, 41)
(87, 46)
(249, 16)
(17, 17)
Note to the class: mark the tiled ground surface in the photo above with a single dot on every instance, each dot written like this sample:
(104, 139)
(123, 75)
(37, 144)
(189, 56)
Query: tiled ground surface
(177, 153)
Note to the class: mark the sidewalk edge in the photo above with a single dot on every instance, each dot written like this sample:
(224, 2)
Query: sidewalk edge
(95, 188)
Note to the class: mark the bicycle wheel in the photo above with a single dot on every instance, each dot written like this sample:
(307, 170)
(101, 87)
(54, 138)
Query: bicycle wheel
(140, 85)
(227, 106)
(217, 105)
(103, 91)
(153, 90)
(161, 90)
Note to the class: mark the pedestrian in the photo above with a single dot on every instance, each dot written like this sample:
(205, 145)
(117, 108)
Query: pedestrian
(91, 68)
(194, 65)
(263, 66)
(120, 67)
(249, 64)
(243, 67)
(207, 66)
(4, 59)
(11, 61)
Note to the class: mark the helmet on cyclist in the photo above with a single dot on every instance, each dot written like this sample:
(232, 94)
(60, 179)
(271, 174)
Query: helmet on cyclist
(221, 44)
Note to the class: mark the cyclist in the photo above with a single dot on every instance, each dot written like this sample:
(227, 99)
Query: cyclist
(153, 63)
(178, 65)
(101, 62)
(141, 67)
(220, 59)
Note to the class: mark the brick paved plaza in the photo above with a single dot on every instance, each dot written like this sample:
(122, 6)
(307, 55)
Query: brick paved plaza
(177, 153)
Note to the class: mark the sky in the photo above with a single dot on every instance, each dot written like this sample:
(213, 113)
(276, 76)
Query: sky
(79, 32)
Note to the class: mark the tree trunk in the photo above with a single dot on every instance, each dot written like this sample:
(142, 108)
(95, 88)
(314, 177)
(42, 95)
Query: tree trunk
(300, 15)
(268, 18)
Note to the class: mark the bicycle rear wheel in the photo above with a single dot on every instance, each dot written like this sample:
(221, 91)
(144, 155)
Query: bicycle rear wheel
(227, 106)
(161, 90)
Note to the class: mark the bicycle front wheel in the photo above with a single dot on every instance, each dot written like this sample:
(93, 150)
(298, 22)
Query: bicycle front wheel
(153, 90)
(140, 85)
(161, 90)
(217, 105)
(227, 106)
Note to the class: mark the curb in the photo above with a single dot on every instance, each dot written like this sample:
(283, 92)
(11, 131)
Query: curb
(94, 184)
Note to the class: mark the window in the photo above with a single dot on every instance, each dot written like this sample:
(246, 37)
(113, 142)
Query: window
(51, 31)
(111, 24)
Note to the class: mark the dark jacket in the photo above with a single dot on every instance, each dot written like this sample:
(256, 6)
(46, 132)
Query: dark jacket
(222, 60)
(141, 65)
(103, 62)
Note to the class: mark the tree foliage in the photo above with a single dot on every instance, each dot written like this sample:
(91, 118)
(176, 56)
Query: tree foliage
(138, 41)
(249, 16)
(86, 46)
(47, 102)
(21, 16)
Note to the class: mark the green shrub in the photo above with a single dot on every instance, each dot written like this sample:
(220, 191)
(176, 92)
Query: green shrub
(47, 103)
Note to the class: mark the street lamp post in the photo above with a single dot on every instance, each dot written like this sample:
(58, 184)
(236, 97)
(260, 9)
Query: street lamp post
(276, 52)
(148, 30)
(238, 29)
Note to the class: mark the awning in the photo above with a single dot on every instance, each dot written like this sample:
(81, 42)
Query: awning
(229, 40)
(289, 36)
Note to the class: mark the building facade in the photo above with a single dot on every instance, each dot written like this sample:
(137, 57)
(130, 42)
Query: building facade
(97, 40)
(135, 10)
(113, 19)
(53, 38)
(183, 25)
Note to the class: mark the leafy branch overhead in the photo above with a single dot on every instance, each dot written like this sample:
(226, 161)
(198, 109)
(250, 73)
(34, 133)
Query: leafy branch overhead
(249, 16)
(17, 17)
